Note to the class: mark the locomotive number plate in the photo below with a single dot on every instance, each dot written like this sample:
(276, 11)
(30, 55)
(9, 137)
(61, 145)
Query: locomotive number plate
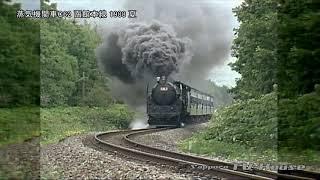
(163, 88)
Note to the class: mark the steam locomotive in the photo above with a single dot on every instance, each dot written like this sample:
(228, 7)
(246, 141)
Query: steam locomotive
(176, 104)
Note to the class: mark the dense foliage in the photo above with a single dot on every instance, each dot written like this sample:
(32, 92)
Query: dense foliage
(19, 58)
(249, 130)
(251, 123)
(239, 132)
(255, 48)
(299, 122)
(18, 124)
(69, 72)
(19, 88)
(277, 47)
(58, 123)
(277, 43)
(298, 47)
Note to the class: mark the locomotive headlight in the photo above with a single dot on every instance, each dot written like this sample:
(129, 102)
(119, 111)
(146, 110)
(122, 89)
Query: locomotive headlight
(163, 88)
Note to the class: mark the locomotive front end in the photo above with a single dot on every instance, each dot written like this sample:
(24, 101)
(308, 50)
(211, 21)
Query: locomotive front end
(163, 93)
(163, 104)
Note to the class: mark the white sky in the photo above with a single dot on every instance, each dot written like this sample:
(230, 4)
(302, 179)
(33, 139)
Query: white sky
(222, 74)
(28, 4)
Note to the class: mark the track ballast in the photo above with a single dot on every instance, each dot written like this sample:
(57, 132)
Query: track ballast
(122, 142)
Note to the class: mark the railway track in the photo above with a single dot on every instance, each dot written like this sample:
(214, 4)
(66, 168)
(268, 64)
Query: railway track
(122, 142)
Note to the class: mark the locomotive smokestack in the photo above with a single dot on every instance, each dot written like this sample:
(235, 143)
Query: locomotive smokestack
(163, 80)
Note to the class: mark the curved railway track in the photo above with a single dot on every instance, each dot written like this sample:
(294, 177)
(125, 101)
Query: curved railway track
(122, 142)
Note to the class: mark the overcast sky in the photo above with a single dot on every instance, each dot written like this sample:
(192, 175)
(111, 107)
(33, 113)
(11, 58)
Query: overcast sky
(28, 4)
(222, 74)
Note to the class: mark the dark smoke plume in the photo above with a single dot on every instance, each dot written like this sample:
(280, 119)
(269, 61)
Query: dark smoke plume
(139, 50)
(153, 49)
(109, 55)
(207, 23)
(159, 42)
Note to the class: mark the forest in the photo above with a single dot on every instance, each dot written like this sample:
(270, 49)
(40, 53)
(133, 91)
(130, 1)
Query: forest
(51, 64)
(276, 116)
(279, 51)
(49, 78)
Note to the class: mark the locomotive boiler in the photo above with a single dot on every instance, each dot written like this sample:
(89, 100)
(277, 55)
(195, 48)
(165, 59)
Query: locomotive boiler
(175, 104)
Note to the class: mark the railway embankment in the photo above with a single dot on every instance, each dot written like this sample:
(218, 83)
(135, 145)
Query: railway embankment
(73, 158)
(257, 131)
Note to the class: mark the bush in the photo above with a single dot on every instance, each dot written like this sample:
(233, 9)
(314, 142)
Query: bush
(266, 128)
(252, 123)
(60, 122)
(18, 124)
(19, 58)
(117, 116)
(97, 96)
(299, 122)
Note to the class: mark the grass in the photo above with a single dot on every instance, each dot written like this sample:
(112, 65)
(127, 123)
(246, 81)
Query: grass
(54, 124)
(18, 124)
(61, 122)
(237, 152)
(306, 157)
(250, 130)
(230, 151)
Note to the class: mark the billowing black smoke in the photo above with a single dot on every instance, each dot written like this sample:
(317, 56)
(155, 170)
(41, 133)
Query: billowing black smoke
(110, 59)
(207, 23)
(183, 38)
(153, 49)
(138, 51)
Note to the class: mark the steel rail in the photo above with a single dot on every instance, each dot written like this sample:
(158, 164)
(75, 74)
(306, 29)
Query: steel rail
(129, 147)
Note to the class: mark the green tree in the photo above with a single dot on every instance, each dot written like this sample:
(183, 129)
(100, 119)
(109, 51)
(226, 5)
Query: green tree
(97, 96)
(19, 58)
(298, 47)
(298, 72)
(277, 43)
(59, 70)
(255, 48)
(69, 70)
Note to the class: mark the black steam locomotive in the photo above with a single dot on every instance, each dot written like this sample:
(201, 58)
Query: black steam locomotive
(175, 103)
